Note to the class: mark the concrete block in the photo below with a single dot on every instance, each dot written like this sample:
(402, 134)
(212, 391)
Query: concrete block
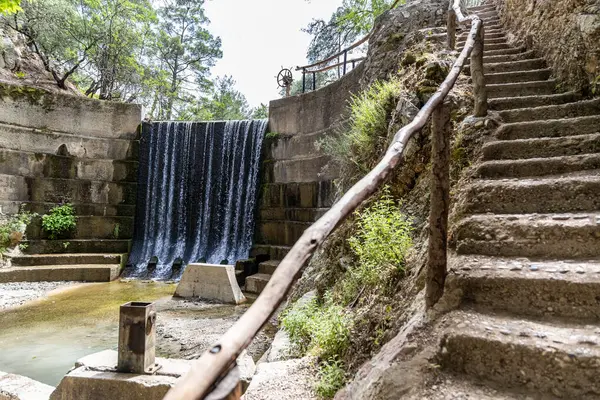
(212, 282)
(16, 387)
(94, 378)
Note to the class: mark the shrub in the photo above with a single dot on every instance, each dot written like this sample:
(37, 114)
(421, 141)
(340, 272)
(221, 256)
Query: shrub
(331, 378)
(323, 330)
(381, 241)
(359, 147)
(59, 221)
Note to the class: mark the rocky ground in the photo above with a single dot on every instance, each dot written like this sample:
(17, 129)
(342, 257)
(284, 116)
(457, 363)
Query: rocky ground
(18, 293)
(186, 328)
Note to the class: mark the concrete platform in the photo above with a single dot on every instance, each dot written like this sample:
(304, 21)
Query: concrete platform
(211, 282)
(17, 387)
(57, 273)
(95, 378)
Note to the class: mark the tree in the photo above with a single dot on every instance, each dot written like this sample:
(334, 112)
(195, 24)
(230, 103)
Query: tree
(223, 103)
(98, 39)
(185, 49)
(8, 7)
(261, 112)
(352, 20)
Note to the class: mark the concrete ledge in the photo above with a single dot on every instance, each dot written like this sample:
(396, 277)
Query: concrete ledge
(297, 195)
(44, 165)
(91, 209)
(81, 115)
(16, 387)
(89, 227)
(42, 141)
(212, 282)
(57, 273)
(78, 246)
(18, 188)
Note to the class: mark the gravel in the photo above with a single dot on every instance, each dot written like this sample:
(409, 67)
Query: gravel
(15, 294)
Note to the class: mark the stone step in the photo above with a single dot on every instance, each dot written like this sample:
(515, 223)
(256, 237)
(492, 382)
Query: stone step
(491, 47)
(488, 36)
(552, 195)
(449, 386)
(77, 246)
(518, 76)
(274, 252)
(509, 103)
(568, 236)
(297, 195)
(544, 87)
(88, 227)
(298, 170)
(289, 147)
(514, 66)
(268, 267)
(109, 210)
(549, 128)
(65, 259)
(485, 14)
(40, 165)
(499, 39)
(538, 288)
(18, 188)
(547, 358)
(256, 283)
(503, 52)
(502, 58)
(292, 214)
(482, 8)
(43, 141)
(569, 110)
(280, 233)
(57, 273)
(538, 166)
(541, 147)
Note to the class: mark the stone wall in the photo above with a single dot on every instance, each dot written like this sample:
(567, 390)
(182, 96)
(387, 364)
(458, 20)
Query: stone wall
(57, 148)
(566, 33)
(296, 185)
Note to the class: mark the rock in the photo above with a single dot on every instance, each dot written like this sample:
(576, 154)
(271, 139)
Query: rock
(16, 387)
(289, 380)
(280, 348)
(247, 369)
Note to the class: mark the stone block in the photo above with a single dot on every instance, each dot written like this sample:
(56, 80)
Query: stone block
(16, 387)
(211, 282)
(95, 378)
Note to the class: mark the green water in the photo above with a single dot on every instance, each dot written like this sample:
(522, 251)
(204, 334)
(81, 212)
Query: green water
(43, 339)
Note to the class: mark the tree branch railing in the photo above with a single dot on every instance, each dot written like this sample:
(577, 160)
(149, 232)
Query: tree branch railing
(214, 367)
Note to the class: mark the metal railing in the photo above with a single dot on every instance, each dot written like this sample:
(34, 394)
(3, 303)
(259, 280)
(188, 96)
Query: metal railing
(214, 375)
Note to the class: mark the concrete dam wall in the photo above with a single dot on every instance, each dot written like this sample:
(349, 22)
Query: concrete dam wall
(58, 148)
(296, 189)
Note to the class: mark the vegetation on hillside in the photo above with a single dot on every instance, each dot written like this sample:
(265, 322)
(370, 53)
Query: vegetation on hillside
(323, 326)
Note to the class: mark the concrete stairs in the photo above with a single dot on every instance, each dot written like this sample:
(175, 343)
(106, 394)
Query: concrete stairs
(63, 267)
(527, 244)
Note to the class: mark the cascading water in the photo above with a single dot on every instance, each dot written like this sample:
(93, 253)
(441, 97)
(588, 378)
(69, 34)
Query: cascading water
(197, 190)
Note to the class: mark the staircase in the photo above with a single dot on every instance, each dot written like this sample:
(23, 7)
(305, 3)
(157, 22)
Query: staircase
(528, 247)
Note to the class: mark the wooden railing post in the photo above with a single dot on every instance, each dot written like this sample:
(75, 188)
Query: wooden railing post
(441, 131)
(314, 81)
(478, 78)
(451, 38)
(345, 61)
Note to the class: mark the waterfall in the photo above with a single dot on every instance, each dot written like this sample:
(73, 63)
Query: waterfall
(197, 191)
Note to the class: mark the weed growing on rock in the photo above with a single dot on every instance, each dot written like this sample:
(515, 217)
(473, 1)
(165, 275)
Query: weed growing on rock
(59, 221)
(331, 378)
(358, 148)
(382, 238)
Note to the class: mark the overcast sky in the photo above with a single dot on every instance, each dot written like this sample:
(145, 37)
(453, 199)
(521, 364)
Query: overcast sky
(261, 36)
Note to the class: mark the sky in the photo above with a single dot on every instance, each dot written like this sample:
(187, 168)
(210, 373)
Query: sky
(259, 37)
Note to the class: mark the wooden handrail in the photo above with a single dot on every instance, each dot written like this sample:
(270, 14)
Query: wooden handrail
(217, 361)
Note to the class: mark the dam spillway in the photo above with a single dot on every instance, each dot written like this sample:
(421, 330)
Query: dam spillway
(197, 193)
